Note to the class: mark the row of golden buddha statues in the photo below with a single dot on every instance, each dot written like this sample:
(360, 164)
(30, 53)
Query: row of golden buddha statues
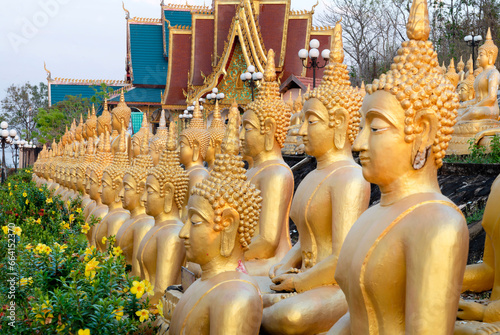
(397, 267)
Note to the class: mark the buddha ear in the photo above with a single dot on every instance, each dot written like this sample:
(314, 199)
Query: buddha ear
(340, 124)
(196, 150)
(426, 125)
(169, 197)
(269, 131)
(230, 223)
(217, 147)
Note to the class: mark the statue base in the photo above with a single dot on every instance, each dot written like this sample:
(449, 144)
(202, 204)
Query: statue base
(465, 131)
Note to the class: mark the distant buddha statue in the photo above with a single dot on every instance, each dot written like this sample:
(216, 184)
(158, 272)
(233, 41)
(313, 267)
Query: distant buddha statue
(133, 230)
(161, 252)
(103, 121)
(484, 276)
(465, 88)
(327, 203)
(94, 173)
(293, 141)
(50, 168)
(193, 144)
(159, 141)
(216, 130)
(121, 118)
(452, 75)
(460, 69)
(469, 66)
(402, 262)
(265, 125)
(223, 215)
(138, 136)
(88, 158)
(482, 112)
(91, 124)
(111, 186)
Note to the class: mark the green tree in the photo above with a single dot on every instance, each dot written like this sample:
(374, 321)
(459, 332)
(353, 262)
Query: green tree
(21, 105)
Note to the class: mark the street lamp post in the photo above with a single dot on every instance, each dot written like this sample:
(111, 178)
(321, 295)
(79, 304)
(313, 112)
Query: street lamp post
(473, 42)
(313, 54)
(251, 77)
(15, 155)
(7, 138)
(215, 95)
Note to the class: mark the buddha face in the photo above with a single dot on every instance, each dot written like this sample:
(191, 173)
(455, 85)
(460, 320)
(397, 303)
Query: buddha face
(201, 241)
(106, 190)
(72, 178)
(129, 194)
(136, 147)
(80, 180)
(316, 134)
(90, 131)
(464, 93)
(483, 58)
(94, 185)
(185, 151)
(211, 151)
(383, 152)
(252, 141)
(116, 122)
(154, 202)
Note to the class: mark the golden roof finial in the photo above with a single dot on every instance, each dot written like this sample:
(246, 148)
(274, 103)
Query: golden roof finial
(418, 27)
(49, 75)
(337, 52)
(127, 13)
(231, 141)
(172, 139)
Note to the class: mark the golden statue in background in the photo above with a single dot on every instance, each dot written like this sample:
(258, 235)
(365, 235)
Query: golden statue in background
(138, 136)
(158, 142)
(452, 75)
(223, 214)
(327, 203)
(401, 265)
(216, 130)
(120, 119)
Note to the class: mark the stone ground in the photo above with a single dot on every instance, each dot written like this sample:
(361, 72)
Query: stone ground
(467, 185)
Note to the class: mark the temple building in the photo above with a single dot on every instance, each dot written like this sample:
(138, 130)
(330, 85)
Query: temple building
(188, 51)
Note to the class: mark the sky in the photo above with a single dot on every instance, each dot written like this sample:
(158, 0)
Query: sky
(78, 39)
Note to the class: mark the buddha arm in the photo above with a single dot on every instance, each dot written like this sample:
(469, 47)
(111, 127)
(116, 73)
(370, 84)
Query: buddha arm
(341, 327)
(276, 191)
(292, 259)
(435, 258)
(491, 98)
(236, 310)
(350, 196)
(169, 259)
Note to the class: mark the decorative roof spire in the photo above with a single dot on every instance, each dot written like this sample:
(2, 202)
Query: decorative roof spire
(418, 27)
(231, 141)
(337, 52)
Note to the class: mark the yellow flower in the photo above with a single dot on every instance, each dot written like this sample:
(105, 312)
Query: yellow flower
(104, 239)
(8, 184)
(25, 194)
(117, 251)
(60, 247)
(39, 220)
(26, 281)
(65, 225)
(68, 202)
(18, 231)
(29, 246)
(49, 201)
(61, 328)
(159, 307)
(40, 190)
(91, 268)
(78, 210)
(5, 230)
(47, 250)
(148, 288)
(118, 313)
(84, 332)
(10, 193)
(143, 315)
(85, 228)
(71, 217)
(27, 201)
(137, 289)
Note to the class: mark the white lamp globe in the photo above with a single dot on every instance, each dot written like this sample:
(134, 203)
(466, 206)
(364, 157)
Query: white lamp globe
(314, 44)
(215, 90)
(478, 38)
(5, 133)
(259, 75)
(13, 133)
(251, 69)
(313, 53)
(243, 77)
(303, 54)
(248, 75)
(220, 96)
(467, 38)
(325, 54)
(201, 108)
(4, 125)
(16, 138)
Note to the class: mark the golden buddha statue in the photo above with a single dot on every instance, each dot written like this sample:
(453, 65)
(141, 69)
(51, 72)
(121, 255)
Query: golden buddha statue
(121, 118)
(452, 75)
(50, 168)
(193, 145)
(159, 141)
(88, 157)
(111, 186)
(91, 125)
(138, 136)
(265, 125)
(402, 262)
(223, 215)
(480, 113)
(103, 121)
(293, 141)
(133, 230)
(327, 203)
(465, 88)
(161, 252)
(216, 130)
(484, 276)
(460, 69)
(94, 174)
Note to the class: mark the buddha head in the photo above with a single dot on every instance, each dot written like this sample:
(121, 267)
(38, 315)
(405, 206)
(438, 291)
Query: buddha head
(266, 120)
(79, 130)
(137, 138)
(112, 177)
(487, 53)
(134, 179)
(409, 112)
(223, 209)
(103, 121)
(452, 75)
(465, 88)
(121, 114)
(159, 141)
(331, 110)
(460, 65)
(91, 125)
(216, 130)
(166, 183)
(95, 169)
(88, 157)
(193, 140)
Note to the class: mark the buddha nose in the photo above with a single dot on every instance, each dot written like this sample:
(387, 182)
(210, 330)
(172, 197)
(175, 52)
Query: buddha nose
(143, 198)
(100, 189)
(184, 233)
(303, 129)
(361, 141)
(121, 193)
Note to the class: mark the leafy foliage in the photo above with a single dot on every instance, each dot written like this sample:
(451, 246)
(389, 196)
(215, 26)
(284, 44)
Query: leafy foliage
(478, 154)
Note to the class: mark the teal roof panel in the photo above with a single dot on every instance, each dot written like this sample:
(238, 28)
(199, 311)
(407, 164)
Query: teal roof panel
(146, 50)
(136, 118)
(140, 94)
(58, 92)
(181, 18)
